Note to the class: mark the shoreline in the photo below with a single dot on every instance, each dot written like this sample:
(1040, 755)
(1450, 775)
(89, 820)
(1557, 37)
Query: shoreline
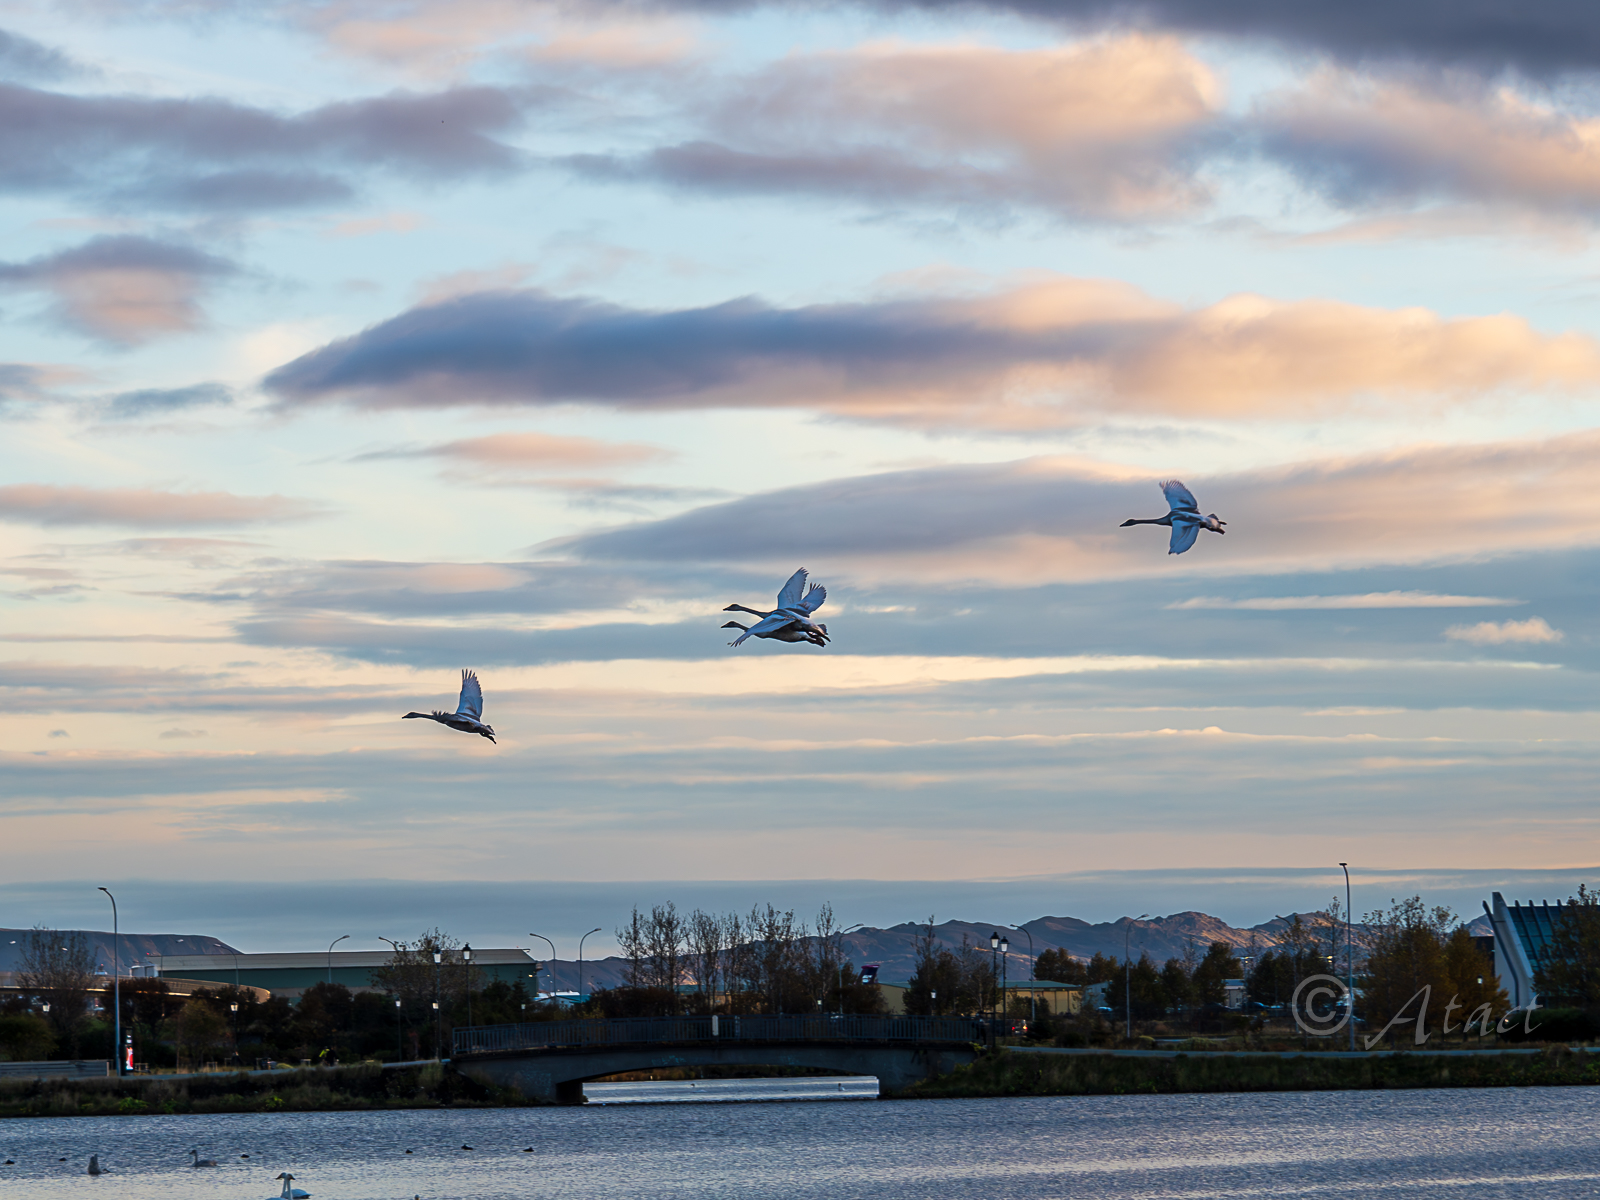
(1006, 1073)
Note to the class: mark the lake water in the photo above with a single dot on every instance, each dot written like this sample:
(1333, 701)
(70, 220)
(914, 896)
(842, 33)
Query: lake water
(1536, 1142)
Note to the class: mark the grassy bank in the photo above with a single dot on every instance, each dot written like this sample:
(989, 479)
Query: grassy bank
(1008, 1074)
(339, 1088)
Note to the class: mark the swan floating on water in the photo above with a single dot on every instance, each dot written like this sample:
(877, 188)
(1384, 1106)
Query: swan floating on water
(197, 1161)
(289, 1193)
(1184, 519)
(791, 620)
(94, 1165)
(468, 716)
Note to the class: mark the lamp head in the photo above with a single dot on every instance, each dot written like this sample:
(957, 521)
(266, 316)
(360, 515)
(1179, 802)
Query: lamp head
(1005, 945)
(994, 941)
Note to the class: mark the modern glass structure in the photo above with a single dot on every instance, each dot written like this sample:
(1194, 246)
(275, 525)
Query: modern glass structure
(1522, 935)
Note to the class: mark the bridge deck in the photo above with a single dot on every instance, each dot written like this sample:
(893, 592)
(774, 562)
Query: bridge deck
(557, 1035)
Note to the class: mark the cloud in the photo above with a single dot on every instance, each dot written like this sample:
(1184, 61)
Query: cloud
(23, 58)
(147, 402)
(174, 734)
(1362, 140)
(1539, 39)
(1038, 351)
(1365, 600)
(528, 453)
(140, 508)
(1489, 633)
(59, 733)
(1040, 520)
(214, 154)
(1107, 129)
(123, 289)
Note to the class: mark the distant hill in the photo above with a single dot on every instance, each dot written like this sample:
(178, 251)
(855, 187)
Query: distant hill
(1159, 937)
(134, 946)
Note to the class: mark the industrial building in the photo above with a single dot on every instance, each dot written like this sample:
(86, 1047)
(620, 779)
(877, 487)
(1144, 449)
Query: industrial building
(289, 975)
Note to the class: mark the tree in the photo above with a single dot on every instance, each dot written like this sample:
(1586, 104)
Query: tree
(198, 1029)
(1102, 969)
(1178, 984)
(25, 1037)
(1059, 967)
(1219, 964)
(1569, 972)
(1406, 954)
(411, 975)
(59, 968)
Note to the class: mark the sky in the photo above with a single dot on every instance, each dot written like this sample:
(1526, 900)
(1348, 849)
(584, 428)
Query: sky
(346, 345)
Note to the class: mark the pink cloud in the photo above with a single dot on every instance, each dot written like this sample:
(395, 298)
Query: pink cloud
(143, 508)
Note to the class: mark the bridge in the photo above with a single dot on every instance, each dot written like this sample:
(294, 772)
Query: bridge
(550, 1060)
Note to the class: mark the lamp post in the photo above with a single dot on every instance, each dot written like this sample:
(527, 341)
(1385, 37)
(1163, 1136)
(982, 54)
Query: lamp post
(838, 943)
(1034, 970)
(331, 945)
(595, 930)
(552, 946)
(1005, 958)
(438, 1029)
(234, 1009)
(399, 1033)
(994, 946)
(1350, 958)
(466, 957)
(1127, 972)
(116, 982)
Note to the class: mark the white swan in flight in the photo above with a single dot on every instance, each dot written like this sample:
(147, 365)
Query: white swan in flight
(791, 620)
(1185, 518)
(468, 716)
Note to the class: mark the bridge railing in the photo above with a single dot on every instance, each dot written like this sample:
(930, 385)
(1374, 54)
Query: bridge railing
(552, 1035)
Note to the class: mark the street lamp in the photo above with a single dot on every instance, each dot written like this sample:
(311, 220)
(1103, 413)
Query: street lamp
(331, 945)
(1005, 951)
(399, 1033)
(838, 943)
(466, 957)
(595, 930)
(1127, 970)
(552, 946)
(1033, 969)
(116, 981)
(438, 1029)
(994, 946)
(1350, 958)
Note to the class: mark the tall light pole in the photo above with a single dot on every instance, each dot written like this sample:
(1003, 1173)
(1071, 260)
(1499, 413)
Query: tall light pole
(551, 968)
(116, 981)
(838, 943)
(1349, 957)
(994, 945)
(1032, 992)
(1127, 972)
(331, 945)
(595, 930)
(438, 1029)
(1005, 959)
(466, 957)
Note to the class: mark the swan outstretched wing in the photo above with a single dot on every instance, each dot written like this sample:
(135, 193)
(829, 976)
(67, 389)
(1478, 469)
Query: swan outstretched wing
(1183, 536)
(1179, 496)
(815, 595)
(790, 595)
(772, 624)
(471, 697)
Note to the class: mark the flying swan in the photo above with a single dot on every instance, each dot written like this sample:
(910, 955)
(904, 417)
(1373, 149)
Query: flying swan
(1185, 518)
(468, 716)
(791, 620)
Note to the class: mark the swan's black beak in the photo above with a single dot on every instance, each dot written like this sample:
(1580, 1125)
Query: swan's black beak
(731, 608)
(1125, 524)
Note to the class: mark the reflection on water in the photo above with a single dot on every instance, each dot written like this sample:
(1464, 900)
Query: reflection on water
(1531, 1142)
(834, 1087)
